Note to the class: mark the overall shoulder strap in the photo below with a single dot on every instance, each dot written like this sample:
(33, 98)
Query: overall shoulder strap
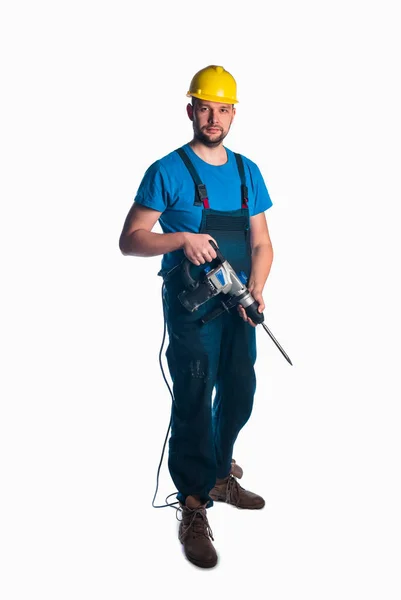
(201, 199)
(244, 189)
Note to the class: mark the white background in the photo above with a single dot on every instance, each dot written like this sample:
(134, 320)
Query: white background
(92, 94)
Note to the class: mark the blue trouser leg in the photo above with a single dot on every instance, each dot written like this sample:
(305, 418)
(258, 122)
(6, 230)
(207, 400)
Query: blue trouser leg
(193, 358)
(218, 354)
(235, 387)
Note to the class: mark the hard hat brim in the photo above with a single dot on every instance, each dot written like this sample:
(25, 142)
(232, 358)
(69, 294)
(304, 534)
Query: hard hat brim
(210, 98)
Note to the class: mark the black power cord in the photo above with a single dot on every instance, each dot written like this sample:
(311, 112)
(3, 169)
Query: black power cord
(171, 504)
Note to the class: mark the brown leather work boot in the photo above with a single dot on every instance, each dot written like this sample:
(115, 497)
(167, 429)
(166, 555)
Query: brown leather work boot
(236, 470)
(229, 490)
(195, 535)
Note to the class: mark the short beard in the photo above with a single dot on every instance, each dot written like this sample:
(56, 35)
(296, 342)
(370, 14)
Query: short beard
(206, 141)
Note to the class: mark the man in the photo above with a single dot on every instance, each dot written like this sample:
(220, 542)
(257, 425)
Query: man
(200, 193)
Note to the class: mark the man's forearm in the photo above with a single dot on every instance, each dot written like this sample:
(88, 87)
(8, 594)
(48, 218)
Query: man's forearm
(148, 243)
(262, 258)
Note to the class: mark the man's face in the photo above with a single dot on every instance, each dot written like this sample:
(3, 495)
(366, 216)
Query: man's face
(211, 121)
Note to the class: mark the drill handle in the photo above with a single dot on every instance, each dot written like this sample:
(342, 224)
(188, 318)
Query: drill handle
(253, 313)
(188, 280)
(219, 254)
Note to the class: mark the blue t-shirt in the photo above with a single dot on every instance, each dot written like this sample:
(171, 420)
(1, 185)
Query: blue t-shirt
(168, 187)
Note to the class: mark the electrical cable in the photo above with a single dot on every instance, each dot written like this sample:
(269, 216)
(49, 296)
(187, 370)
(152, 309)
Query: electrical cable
(171, 504)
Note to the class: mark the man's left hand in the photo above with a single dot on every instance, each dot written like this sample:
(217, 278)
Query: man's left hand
(257, 294)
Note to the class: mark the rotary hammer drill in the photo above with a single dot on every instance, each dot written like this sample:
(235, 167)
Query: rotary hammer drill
(221, 279)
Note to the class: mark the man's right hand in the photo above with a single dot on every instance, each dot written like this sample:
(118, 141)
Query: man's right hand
(198, 249)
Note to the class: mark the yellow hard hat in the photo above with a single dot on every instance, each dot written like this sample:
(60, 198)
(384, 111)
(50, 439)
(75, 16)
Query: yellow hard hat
(215, 84)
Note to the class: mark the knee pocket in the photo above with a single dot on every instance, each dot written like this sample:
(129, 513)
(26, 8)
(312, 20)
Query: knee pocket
(188, 364)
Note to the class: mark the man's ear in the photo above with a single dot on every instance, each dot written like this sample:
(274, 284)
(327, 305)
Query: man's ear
(190, 111)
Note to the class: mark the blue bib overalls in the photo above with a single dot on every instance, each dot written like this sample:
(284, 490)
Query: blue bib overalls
(216, 356)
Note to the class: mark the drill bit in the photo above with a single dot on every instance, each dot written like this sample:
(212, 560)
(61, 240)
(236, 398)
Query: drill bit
(277, 344)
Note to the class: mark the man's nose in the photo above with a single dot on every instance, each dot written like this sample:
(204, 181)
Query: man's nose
(213, 117)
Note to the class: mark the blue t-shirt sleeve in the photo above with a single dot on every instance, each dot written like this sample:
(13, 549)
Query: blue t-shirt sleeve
(262, 197)
(152, 190)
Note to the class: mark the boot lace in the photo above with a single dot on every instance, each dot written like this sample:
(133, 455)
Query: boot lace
(197, 522)
(233, 491)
